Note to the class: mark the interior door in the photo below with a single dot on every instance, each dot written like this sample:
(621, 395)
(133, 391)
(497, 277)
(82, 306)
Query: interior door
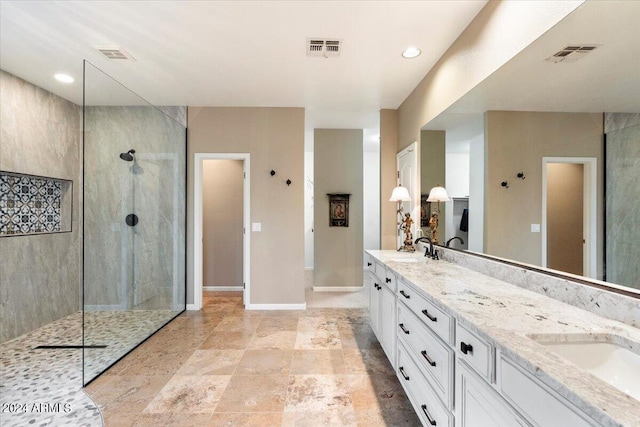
(409, 177)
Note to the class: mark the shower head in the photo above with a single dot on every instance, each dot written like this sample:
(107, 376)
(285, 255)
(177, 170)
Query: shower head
(128, 156)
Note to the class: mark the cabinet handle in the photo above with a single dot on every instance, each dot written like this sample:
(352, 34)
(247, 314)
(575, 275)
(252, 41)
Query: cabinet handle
(431, 317)
(426, 413)
(368, 264)
(466, 348)
(405, 376)
(406, 331)
(426, 356)
(405, 295)
(387, 280)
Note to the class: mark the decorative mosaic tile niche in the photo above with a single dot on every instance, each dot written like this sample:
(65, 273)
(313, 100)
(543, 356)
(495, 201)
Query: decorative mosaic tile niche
(34, 204)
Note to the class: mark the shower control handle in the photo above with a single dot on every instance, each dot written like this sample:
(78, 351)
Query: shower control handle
(131, 220)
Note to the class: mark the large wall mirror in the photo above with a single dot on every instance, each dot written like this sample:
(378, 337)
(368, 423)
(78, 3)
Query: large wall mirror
(542, 159)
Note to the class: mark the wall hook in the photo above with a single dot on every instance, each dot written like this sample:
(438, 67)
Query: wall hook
(505, 184)
(521, 175)
(272, 172)
(288, 182)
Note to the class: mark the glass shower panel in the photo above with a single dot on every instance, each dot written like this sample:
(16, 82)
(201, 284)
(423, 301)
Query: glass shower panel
(134, 219)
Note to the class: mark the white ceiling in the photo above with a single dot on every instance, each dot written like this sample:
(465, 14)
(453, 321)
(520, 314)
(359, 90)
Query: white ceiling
(606, 80)
(237, 53)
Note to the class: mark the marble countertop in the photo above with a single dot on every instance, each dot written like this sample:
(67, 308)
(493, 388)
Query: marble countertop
(508, 316)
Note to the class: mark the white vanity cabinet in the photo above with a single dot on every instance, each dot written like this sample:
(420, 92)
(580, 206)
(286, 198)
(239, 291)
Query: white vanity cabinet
(382, 308)
(454, 374)
(537, 402)
(479, 405)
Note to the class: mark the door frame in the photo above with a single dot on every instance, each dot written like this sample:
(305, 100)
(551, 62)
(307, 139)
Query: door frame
(198, 188)
(412, 149)
(590, 209)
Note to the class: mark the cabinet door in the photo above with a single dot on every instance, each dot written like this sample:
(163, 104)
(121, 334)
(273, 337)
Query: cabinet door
(387, 324)
(374, 306)
(478, 405)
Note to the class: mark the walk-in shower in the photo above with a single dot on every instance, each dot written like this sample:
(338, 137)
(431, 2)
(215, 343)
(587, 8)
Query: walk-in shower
(134, 220)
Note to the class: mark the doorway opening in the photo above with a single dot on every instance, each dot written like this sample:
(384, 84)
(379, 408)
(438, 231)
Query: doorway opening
(569, 215)
(221, 217)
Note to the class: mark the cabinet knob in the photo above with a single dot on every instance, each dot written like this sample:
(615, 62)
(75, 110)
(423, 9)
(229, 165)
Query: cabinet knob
(387, 280)
(466, 348)
(368, 264)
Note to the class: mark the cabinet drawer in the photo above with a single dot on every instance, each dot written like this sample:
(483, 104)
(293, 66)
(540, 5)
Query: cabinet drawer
(528, 396)
(436, 319)
(425, 402)
(379, 270)
(431, 355)
(475, 351)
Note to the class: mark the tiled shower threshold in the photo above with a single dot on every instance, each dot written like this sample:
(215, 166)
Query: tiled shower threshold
(43, 387)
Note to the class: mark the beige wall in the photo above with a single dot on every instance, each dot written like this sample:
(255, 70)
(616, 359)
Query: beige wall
(517, 142)
(388, 177)
(480, 50)
(222, 207)
(337, 168)
(275, 139)
(40, 275)
(565, 182)
(433, 172)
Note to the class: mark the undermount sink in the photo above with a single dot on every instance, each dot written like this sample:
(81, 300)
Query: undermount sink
(617, 365)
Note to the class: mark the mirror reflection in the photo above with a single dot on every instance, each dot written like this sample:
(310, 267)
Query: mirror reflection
(542, 159)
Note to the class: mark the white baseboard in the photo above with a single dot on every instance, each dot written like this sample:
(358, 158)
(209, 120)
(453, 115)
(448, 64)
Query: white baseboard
(337, 288)
(222, 288)
(191, 307)
(308, 269)
(302, 306)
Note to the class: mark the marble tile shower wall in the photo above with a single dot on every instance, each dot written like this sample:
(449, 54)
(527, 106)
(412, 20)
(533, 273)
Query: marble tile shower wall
(623, 198)
(40, 274)
(133, 265)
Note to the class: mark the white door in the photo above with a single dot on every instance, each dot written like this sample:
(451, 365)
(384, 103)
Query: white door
(409, 177)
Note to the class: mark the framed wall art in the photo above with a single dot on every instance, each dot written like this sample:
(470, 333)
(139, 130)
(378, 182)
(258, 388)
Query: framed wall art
(338, 209)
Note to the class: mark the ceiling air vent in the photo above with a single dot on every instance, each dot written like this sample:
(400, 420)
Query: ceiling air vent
(572, 53)
(323, 47)
(114, 52)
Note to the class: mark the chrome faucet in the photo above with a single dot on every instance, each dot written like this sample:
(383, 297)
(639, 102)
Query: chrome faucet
(428, 251)
(454, 238)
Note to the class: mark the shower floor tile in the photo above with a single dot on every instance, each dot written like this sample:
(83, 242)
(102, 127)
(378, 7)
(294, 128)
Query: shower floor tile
(44, 386)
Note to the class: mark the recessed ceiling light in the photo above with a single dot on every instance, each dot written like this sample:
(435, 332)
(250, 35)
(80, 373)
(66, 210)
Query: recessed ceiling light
(64, 78)
(411, 52)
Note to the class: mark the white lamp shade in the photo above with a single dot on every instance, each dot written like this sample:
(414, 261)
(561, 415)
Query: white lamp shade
(438, 194)
(400, 194)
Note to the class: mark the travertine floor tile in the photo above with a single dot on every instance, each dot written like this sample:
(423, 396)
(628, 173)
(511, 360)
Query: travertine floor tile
(275, 340)
(264, 393)
(211, 362)
(129, 394)
(227, 341)
(173, 420)
(278, 323)
(247, 419)
(318, 340)
(329, 362)
(328, 418)
(313, 393)
(372, 361)
(189, 394)
(265, 362)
